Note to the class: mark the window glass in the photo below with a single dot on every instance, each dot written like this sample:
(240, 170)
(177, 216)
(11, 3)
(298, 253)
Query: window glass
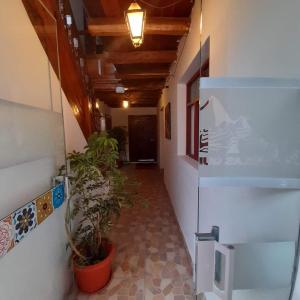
(192, 130)
(194, 90)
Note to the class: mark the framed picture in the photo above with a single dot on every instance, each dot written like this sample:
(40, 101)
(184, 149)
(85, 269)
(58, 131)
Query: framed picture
(168, 121)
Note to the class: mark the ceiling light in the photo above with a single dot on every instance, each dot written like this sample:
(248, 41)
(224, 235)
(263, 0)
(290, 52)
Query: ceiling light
(125, 104)
(201, 23)
(135, 19)
(68, 19)
(90, 106)
(76, 110)
(75, 43)
(97, 105)
(120, 90)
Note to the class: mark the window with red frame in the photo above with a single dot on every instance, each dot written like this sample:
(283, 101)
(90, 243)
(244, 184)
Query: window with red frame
(192, 109)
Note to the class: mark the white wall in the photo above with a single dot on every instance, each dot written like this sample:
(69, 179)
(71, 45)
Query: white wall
(180, 171)
(74, 137)
(252, 38)
(119, 117)
(15, 46)
(247, 38)
(37, 267)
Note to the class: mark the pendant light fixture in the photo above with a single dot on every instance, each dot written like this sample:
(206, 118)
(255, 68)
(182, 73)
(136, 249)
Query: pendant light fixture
(125, 103)
(135, 19)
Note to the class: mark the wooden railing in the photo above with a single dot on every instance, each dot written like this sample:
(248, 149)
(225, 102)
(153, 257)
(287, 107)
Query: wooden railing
(65, 52)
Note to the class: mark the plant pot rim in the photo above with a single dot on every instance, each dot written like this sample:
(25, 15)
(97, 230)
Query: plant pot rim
(107, 260)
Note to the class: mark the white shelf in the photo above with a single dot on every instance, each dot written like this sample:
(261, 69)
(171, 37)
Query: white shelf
(258, 182)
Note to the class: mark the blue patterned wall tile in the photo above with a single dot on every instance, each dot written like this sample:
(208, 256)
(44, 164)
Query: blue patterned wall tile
(58, 195)
(24, 220)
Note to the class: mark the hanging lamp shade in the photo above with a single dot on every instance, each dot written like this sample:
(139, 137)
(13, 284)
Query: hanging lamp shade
(125, 103)
(135, 19)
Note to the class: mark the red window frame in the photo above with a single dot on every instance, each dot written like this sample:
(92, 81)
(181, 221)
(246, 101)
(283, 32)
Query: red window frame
(203, 72)
(189, 105)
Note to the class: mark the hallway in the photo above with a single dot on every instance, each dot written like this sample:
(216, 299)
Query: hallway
(151, 261)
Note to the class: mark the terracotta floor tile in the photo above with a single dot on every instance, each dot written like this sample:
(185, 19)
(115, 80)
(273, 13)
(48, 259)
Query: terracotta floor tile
(151, 260)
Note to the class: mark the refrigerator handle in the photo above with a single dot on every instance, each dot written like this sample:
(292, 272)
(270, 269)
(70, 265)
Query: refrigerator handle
(226, 251)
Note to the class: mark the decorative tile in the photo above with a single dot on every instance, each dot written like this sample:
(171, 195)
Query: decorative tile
(58, 195)
(44, 207)
(6, 235)
(24, 220)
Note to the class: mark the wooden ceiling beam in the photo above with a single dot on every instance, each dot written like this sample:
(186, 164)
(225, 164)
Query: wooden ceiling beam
(115, 100)
(131, 95)
(106, 86)
(144, 85)
(111, 8)
(140, 72)
(135, 104)
(137, 76)
(153, 26)
(136, 57)
(105, 79)
(121, 97)
(134, 93)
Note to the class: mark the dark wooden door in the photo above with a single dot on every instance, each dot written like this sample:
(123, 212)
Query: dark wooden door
(142, 132)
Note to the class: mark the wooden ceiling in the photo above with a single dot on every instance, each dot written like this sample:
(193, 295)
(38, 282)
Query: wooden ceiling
(142, 71)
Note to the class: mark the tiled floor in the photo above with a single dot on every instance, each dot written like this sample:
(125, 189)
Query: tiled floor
(151, 260)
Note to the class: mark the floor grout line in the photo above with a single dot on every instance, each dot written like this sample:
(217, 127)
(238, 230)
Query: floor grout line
(153, 261)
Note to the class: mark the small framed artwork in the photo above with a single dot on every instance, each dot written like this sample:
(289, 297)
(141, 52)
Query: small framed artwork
(168, 121)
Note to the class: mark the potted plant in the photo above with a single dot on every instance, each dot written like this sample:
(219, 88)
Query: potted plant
(97, 195)
(120, 134)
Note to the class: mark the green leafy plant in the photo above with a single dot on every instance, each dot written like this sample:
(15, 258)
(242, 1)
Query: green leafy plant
(98, 192)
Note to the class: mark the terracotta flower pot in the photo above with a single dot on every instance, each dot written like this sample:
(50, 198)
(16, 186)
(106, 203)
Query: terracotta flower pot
(92, 278)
